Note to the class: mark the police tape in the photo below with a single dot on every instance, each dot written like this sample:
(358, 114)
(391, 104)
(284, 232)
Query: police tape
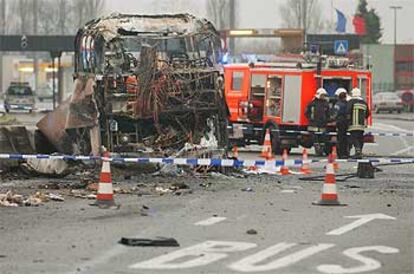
(289, 131)
(216, 162)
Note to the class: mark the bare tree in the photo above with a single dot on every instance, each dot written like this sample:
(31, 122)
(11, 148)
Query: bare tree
(23, 9)
(305, 14)
(2, 31)
(93, 8)
(3, 16)
(63, 15)
(218, 11)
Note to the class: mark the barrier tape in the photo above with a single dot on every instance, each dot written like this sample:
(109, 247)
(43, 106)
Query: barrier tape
(382, 134)
(205, 161)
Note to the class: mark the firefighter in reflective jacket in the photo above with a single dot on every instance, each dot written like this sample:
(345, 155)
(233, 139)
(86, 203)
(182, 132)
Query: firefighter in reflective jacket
(357, 113)
(340, 117)
(317, 113)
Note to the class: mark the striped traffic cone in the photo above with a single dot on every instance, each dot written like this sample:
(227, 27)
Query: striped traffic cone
(305, 169)
(284, 170)
(335, 156)
(267, 147)
(329, 196)
(105, 196)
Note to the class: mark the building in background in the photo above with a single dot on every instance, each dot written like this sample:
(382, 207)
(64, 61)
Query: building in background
(404, 67)
(392, 66)
(381, 60)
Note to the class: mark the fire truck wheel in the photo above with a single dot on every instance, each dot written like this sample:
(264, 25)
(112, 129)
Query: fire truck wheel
(306, 142)
(319, 149)
(274, 137)
(327, 148)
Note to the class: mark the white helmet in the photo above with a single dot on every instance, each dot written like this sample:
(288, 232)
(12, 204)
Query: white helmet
(356, 92)
(319, 92)
(339, 91)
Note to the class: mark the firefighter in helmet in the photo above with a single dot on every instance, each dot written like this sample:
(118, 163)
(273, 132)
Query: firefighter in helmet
(357, 113)
(318, 114)
(340, 117)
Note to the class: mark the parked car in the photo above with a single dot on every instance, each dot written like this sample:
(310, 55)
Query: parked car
(19, 96)
(44, 92)
(387, 101)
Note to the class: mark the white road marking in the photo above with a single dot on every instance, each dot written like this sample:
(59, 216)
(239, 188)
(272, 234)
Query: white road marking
(404, 150)
(371, 144)
(288, 191)
(391, 128)
(369, 264)
(197, 255)
(251, 263)
(362, 219)
(210, 221)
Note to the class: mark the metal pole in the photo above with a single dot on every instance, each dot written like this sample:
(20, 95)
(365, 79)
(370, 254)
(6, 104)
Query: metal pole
(60, 81)
(232, 23)
(395, 8)
(2, 31)
(53, 82)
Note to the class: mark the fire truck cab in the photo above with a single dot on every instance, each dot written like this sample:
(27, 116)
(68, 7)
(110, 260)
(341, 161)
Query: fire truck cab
(275, 96)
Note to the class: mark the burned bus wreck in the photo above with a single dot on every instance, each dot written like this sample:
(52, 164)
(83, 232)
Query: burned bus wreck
(143, 83)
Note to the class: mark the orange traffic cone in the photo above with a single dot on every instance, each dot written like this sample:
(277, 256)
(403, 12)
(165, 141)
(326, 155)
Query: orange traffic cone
(235, 152)
(335, 156)
(305, 169)
(284, 170)
(105, 196)
(267, 147)
(329, 195)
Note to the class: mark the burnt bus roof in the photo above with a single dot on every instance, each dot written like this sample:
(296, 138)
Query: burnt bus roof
(116, 25)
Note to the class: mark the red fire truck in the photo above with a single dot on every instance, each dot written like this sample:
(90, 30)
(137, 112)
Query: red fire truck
(275, 95)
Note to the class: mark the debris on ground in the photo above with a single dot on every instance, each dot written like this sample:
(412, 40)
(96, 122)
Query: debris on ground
(179, 185)
(169, 170)
(247, 189)
(251, 232)
(147, 211)
(158, 241)
(10, 199)
(6, 120)
(351, 186)
(162, 190)
(51, 167)
(205, 185)
(56, 197)
(82, 194)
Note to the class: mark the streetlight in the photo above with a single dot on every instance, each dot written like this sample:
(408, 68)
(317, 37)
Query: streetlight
(395, 8)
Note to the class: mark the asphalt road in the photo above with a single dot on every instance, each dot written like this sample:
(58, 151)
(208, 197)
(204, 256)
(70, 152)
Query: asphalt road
(293, 236)
(372, 234)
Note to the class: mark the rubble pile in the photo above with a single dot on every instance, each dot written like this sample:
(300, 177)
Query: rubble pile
(11, 199)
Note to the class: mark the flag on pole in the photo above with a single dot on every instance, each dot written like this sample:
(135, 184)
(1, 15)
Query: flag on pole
(359, 25)
(341, 22)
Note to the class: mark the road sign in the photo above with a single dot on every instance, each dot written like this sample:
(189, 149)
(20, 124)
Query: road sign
(341, 47)
(314, 48)
(23, 42)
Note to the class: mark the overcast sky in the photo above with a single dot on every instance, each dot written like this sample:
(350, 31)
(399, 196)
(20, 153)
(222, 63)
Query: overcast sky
(265, 14)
